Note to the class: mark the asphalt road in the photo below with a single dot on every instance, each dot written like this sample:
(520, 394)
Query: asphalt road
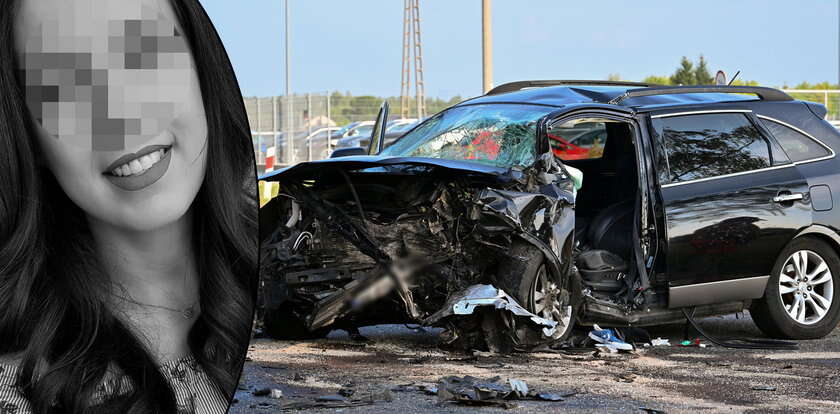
(385, 374)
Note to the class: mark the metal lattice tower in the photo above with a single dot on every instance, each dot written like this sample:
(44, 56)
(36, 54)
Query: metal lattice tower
(412, 52)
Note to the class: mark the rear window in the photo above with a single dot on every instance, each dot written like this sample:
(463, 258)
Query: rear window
(710, 145)
(798, 146)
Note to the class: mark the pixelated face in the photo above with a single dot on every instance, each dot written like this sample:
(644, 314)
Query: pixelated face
(104, 80)
(114, 90)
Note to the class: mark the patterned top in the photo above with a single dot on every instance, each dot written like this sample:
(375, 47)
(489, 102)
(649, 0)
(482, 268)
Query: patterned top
(195, 392)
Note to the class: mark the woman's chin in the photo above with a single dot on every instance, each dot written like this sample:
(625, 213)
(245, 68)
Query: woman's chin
(143, 217)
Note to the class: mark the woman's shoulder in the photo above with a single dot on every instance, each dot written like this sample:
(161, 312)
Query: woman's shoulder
(12, 399)
(9, 364)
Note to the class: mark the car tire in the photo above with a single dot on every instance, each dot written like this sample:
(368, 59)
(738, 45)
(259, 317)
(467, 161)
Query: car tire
(526, 276)
(282, 323)
(775, 314)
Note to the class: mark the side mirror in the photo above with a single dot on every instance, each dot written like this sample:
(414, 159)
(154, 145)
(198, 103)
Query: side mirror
(348, 152)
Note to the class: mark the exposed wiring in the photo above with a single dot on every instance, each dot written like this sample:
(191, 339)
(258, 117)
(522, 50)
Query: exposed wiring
(743, 343)
(355, 198)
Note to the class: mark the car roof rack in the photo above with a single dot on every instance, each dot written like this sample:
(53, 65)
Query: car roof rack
(519, 85)
(763, 93)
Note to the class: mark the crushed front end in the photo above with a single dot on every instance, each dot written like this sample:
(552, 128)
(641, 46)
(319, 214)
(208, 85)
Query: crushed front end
(365, 240)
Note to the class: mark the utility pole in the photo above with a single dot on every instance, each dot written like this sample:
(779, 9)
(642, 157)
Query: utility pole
(412, 51)
(290, 145)
(405, 87)
(486, 46)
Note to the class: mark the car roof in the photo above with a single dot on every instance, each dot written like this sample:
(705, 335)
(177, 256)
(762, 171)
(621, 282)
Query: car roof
(582, 94)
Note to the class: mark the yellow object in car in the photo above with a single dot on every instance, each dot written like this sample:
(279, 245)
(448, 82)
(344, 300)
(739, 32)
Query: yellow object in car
(268, 190)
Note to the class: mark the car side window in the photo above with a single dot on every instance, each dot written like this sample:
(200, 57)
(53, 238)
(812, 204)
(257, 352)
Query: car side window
(798, 146)
(710, 145)
(578, 139)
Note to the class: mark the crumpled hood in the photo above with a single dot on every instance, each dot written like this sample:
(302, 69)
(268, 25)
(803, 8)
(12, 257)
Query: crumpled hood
(361, 162)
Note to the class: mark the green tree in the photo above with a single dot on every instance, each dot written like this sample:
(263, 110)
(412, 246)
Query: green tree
(659, 80)
(684, 74)
(701, 73)
(741, 82)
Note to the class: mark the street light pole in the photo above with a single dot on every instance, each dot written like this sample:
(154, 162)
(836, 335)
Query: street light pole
(486, 46)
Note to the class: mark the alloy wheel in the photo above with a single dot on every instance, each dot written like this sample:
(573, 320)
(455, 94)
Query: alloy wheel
(806, 287)
(551, 302)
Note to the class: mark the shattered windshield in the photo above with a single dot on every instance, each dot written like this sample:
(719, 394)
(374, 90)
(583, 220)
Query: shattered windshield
(502, 135)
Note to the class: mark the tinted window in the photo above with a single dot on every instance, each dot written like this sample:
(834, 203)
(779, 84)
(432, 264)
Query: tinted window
(578, 139)
(796, 144)
(710, 145)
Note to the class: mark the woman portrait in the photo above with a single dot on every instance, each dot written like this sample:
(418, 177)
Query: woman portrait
(127, 209)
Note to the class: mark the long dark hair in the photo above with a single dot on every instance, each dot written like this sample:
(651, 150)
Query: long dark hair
(52, 288)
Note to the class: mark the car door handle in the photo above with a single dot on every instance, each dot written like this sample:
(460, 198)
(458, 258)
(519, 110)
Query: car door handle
(784, 198)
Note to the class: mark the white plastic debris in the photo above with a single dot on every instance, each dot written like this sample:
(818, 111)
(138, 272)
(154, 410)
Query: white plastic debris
(660, 342)
(489, 295)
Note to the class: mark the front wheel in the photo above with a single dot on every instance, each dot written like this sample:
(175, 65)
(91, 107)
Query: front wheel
(527, 278)
(802, 299)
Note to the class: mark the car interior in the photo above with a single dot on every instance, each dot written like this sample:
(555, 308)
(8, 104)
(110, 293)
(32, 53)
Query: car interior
(605, 204)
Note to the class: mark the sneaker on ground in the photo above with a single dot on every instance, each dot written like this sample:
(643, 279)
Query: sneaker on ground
(607, 337)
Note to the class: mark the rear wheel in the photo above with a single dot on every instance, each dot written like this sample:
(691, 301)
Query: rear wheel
(529, 281)
(802, 298)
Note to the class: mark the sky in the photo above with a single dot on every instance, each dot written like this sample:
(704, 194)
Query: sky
(356, 46)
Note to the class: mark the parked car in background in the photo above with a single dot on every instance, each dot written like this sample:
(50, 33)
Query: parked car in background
(399, 124)
(315, 145)
(704, 200)
(396, 129)
(354, 129)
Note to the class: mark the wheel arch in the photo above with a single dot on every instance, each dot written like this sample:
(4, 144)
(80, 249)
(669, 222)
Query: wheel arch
(823, 233)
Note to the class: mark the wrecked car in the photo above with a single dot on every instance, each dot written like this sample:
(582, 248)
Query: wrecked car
(710, 199)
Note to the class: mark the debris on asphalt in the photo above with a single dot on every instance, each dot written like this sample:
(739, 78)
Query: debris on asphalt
(262, 392)
(764, 388)
(625, 377)
(332, 397)
(275, 393)
(483, 316)
(693, 344)
(344, 398)
(469, 390)
(660, 342)
(548, 396)
(429, 389)
(652, 410)
(461, 359)
(518, 387)
(420, 360)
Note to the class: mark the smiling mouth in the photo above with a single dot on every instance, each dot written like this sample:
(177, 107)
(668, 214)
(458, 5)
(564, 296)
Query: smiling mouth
(134, 172)
(138, 163)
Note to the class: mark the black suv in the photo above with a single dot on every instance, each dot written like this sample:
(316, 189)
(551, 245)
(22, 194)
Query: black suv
(709, 198)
